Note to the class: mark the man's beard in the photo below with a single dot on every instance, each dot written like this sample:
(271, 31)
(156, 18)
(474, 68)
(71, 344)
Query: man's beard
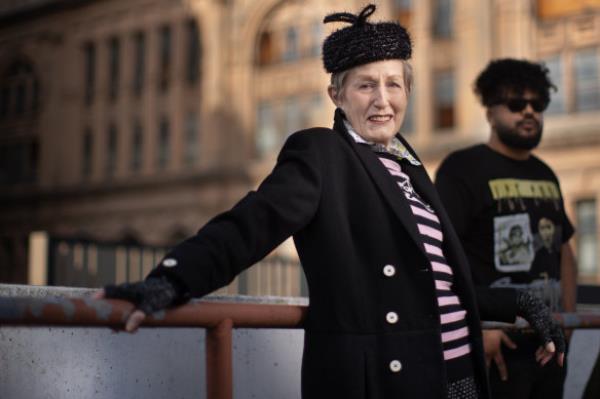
(511, 137)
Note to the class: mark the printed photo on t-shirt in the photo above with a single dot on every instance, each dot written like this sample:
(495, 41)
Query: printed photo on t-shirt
(548, 237)
(513, 243)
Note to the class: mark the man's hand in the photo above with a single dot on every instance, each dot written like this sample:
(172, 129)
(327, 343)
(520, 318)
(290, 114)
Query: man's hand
(148, 296)
(492, 345)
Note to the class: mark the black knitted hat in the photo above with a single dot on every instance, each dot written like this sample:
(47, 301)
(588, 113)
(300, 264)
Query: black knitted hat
(363, 42)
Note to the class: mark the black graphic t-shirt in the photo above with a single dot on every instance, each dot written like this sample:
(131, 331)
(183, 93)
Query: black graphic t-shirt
(510, 217)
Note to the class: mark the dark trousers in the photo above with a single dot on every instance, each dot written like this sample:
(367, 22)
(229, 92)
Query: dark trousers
(526, 378)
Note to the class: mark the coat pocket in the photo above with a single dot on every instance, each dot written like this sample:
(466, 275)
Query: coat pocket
(334, 366)
(409, 365)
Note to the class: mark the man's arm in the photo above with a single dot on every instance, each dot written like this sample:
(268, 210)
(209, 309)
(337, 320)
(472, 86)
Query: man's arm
(568, 281)
(568, 278)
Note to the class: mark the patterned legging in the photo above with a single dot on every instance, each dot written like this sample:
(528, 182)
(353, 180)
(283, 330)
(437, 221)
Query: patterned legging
(463, 389)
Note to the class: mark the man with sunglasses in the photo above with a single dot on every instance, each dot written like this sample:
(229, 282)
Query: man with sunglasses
(507, 208)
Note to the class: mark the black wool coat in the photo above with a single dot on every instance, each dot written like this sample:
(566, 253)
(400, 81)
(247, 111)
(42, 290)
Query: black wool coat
(348, 220)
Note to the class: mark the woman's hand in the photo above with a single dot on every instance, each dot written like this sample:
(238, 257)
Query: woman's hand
(540, 319)
(148, 296)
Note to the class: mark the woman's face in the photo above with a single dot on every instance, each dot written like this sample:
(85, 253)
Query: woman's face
(374, 99)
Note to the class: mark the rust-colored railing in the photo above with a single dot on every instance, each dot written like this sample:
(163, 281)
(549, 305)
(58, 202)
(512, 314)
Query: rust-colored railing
(219, 318)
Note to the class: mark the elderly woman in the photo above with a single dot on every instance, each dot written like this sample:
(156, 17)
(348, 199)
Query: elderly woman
(393, 313)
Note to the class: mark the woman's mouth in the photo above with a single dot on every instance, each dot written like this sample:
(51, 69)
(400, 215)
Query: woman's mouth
(379, 118)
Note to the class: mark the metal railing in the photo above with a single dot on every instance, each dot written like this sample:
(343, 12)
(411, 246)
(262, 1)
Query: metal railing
(76, 262)
(218, 318)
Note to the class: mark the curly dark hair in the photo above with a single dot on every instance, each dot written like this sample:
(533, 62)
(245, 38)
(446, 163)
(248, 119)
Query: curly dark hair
(507, 75)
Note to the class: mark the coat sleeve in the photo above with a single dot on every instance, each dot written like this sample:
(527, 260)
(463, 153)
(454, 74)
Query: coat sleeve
(497, 304)
(285, 202)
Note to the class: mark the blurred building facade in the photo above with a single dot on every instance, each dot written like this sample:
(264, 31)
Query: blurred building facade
(137, 121)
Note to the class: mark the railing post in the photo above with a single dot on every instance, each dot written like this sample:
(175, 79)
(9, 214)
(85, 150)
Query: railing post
(219, 370)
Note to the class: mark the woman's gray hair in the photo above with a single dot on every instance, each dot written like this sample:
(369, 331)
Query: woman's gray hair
(338, 78)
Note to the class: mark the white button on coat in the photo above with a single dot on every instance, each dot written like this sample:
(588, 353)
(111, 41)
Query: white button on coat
(389, 270)
(395, 366)
(169, 262)
(391, 317)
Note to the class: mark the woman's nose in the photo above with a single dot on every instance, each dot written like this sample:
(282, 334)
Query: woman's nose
(381, 96)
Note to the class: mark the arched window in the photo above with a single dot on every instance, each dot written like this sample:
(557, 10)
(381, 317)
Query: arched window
(194, 52)
(19, 91)
(292, 44)
(287, 96)
(265, 53)
(19, 102)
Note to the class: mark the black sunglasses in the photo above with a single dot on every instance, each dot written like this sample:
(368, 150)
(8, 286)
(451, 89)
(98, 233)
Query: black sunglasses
(519, 104)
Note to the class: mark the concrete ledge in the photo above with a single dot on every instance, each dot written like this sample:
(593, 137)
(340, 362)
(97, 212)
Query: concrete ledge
(37, 291)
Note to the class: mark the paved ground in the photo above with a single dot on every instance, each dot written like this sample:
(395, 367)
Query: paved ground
(585, 346)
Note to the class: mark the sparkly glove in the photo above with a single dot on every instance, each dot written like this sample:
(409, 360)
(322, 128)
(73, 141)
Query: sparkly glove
(150, 295)
(532, 309)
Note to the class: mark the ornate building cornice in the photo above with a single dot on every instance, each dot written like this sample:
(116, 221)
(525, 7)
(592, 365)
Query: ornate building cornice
(17, 10)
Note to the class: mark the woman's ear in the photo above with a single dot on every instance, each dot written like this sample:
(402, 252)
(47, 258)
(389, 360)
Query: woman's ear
(488, 115)
(333, 94)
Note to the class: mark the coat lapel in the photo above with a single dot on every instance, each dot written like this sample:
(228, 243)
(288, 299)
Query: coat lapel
(388, 188)
(452, 246)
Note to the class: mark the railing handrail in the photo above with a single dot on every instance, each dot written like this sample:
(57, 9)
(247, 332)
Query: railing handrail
(83, 311)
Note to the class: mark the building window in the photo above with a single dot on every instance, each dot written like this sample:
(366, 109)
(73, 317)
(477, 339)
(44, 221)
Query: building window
(191, 139)
(89, 51)
(4, 101)
(557, 102)
(403, 11)
(315, 109)
(444, 100)
(293, 115)
(137, 146)
(20, 98)
(266, 129)
(139, 65)
(19, 162)
(587, 238)
(164, 67)
(316, 38)
(266, 53)
(586, 79)
(113, 68)
(291, 45)
(111, 150)
(164, 143)
(19, 90)
(88, 142)
(5, 164)
(443, 26)
(402, 4)
(408, 126)
(35, 95)
(33, 160)
(194, 52)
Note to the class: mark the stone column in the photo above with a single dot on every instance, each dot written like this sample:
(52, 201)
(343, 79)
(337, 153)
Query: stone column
(422, 67)
(514, 29)
(473, 49)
